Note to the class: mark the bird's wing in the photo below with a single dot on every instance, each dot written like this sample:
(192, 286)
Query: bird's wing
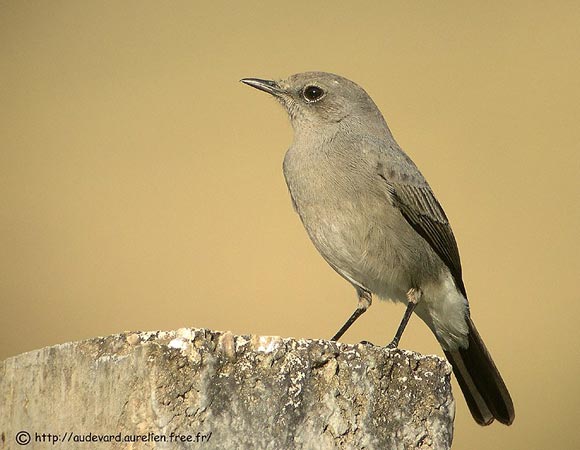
(412, 195)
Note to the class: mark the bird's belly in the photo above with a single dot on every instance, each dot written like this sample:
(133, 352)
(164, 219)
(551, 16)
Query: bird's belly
(370, 245)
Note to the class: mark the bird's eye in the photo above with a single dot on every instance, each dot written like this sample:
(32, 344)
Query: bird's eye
(312, 93)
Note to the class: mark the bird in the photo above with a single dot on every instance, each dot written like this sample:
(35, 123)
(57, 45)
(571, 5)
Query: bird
(373, 217)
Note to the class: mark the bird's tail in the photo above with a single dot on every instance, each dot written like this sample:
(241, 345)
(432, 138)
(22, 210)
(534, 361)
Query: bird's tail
(482, 385)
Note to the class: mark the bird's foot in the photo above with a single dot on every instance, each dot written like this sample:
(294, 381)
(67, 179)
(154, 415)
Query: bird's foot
(393, 344)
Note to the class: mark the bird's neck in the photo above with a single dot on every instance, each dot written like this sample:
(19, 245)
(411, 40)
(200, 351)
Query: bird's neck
(313, 135)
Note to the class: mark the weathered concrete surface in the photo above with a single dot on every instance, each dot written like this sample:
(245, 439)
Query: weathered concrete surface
(224, 392)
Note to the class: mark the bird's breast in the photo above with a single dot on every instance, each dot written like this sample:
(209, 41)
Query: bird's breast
(351, 221)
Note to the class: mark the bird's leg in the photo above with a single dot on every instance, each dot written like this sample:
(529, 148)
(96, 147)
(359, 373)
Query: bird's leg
(413, 295)
(364, 301)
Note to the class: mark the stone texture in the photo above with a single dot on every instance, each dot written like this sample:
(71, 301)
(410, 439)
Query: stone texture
(224, 392)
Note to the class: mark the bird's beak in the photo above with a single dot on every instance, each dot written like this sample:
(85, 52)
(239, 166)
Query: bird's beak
(269, 86)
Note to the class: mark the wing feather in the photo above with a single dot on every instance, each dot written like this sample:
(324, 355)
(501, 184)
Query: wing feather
(412, 195)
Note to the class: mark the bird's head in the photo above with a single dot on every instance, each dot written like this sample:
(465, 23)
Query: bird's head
(317, 99)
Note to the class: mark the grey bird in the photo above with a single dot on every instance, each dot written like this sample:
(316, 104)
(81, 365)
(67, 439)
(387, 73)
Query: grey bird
(374, 218)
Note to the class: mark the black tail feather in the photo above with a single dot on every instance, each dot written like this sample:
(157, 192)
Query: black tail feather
(485, 392)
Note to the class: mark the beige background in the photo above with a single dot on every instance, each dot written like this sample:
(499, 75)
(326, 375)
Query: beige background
(141, 184)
